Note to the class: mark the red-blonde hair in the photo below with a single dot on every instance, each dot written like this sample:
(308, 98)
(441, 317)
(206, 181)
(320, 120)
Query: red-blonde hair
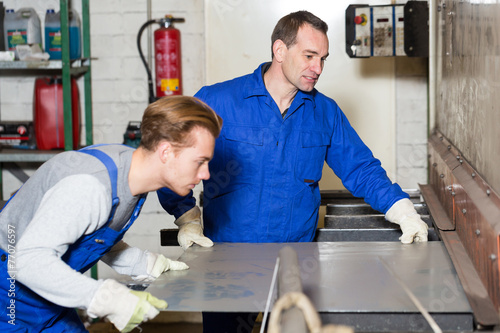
(172, 118)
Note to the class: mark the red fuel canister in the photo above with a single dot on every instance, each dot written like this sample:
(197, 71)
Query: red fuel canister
(48, 113)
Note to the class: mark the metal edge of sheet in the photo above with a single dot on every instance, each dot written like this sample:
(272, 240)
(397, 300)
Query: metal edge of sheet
(482, 306)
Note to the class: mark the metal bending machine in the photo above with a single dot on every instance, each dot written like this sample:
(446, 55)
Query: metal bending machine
(357, 273)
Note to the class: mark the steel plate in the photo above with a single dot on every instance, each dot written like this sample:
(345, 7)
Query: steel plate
(337, 277)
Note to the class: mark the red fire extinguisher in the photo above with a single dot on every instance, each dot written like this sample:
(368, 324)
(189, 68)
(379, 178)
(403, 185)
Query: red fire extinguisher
(167, 51)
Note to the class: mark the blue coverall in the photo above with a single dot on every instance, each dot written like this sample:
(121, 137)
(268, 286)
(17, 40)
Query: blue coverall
(22, 310)
(264, 175)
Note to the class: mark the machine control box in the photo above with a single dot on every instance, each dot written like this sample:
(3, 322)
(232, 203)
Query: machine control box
(387, 30)
(17, 134)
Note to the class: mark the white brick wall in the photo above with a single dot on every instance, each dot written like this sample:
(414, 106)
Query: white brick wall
(411, 122)
(119, 83)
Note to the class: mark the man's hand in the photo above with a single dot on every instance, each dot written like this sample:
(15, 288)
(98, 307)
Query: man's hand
(125, 308)
(412, 226)
(190, 229)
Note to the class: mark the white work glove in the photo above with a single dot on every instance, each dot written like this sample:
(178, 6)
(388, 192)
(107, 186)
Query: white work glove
(157, 264)
(125, 308)
(412, 226)
(190, 229)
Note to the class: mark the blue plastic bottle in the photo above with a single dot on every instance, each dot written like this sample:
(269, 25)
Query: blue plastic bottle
(75, 49)
(52, 34)
(53, 41)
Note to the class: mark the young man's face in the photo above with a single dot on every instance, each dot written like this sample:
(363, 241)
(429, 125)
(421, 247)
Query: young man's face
(303, 62)
(187, 166)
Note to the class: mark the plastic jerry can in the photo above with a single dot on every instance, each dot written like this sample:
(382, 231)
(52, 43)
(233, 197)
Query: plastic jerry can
(53, 42)
(48, 113)
(9, 23)
(75, 42)
(21, 27)
(52, 34)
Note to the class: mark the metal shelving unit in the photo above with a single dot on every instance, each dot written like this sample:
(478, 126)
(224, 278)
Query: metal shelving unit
(66, 68)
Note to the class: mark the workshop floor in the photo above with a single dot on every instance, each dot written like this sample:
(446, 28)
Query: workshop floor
(156, 328)
(164, 322)
(149, 328)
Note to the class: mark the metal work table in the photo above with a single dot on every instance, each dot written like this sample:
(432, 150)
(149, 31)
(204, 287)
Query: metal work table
(346, 281)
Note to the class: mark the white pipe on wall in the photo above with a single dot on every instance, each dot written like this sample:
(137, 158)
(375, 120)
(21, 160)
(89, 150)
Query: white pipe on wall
(432, 63)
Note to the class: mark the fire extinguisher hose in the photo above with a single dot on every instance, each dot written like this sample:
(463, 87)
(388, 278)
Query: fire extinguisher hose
(150, 77)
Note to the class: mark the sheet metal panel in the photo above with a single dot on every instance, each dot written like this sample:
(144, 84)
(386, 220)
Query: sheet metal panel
(468, 84)
(345, 277)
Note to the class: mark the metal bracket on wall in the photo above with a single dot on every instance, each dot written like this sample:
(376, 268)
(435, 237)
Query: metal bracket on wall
(16, 171)
(416, 32)
(2, 15)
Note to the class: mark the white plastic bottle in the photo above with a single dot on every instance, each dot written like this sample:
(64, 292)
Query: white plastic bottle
(22, 27)
(10, 26)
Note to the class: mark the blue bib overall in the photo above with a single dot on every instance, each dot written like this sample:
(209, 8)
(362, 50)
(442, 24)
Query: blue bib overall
(32, 313)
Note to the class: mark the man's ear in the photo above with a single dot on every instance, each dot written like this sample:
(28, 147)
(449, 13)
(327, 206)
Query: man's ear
(279, 49)
(164, 151)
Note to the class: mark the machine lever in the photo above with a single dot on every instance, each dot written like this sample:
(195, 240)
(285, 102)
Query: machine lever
(270, 295)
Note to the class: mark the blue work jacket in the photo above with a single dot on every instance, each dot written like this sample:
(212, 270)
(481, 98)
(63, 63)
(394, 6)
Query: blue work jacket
(264, 175)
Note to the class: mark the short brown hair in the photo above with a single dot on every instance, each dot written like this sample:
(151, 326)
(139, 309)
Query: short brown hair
(287, 27)
(172, 118)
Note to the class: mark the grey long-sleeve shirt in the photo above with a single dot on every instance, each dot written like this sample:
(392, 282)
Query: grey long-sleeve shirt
(68, 197)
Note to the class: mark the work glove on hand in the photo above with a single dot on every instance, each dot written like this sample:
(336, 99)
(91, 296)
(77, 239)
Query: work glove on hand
(159, 264)
(412, 226)
(125, 308)
(190, 229)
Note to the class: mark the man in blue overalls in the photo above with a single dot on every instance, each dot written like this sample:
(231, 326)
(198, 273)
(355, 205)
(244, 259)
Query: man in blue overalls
(75, 210)
(268, 161)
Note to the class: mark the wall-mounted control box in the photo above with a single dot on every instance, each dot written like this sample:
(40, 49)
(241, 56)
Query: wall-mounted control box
(388, 30)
